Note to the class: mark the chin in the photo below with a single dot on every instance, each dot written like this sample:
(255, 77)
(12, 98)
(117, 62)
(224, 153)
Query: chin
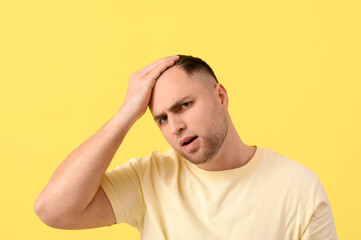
(197, 158)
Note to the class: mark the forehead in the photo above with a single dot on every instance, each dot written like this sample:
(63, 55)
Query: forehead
(175, 84)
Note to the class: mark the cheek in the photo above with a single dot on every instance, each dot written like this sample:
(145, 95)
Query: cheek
(200, 117)
(167, 135)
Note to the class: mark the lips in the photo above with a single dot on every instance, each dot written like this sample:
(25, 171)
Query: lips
(187, 140)
(190, 144)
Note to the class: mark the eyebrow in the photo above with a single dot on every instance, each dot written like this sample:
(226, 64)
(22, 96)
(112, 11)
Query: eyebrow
(175, 105)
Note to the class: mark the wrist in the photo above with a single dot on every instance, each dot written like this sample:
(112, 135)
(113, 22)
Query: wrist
(127, 114)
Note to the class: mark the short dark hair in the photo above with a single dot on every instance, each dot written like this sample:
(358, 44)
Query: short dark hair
(192, 64)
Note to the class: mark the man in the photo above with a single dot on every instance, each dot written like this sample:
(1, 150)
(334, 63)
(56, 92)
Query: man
(209, 185)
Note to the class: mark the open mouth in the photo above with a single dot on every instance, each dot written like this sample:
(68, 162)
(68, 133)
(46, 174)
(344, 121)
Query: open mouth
(189, 141)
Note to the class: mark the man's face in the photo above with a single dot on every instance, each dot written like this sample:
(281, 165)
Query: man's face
(189, 115)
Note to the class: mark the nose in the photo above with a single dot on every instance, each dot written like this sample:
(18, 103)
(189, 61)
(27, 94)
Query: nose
(177, 125)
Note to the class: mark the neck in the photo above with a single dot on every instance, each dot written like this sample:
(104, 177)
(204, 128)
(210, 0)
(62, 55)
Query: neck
(232, 154)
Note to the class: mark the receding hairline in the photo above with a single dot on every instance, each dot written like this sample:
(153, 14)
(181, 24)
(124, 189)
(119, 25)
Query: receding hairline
(192, 64)
(200, 75)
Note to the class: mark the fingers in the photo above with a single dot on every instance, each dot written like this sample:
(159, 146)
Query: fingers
(141, 84)
(149, 68)
(159, 69)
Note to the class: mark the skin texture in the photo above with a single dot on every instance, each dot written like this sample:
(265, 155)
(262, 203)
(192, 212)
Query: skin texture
(198, 114)
(202, 111)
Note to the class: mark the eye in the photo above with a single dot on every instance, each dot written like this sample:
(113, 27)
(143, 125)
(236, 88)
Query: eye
(185, 105)
(163, 120)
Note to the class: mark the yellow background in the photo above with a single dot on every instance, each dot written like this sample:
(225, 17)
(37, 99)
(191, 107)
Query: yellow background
(292, 70)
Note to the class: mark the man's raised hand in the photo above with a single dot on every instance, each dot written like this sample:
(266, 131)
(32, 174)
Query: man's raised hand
(141, 84)
(74, 198)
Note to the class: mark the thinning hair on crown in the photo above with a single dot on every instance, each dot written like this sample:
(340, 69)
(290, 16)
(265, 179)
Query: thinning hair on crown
(192, 64)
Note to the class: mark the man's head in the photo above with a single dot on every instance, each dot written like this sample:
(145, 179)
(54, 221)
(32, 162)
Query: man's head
(190, 108)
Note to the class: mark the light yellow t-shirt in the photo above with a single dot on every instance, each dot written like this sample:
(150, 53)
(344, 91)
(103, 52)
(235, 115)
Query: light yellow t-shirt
(271, 197)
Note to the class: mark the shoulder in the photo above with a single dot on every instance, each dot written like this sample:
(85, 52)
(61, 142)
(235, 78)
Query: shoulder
(298, 190)
(288, 167)
(155, 158)
(292, 180)
(289, 177)
(157, 163)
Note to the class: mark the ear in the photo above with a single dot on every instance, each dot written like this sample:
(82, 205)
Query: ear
(222, 95)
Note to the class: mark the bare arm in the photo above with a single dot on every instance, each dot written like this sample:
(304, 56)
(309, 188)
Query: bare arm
(73, 198)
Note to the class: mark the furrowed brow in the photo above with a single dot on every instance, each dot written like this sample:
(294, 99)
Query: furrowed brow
(159, 116)
(173, 107)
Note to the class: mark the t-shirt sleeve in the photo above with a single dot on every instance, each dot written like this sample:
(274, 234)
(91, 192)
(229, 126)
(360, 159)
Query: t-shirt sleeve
(321, 224)
(123, 189)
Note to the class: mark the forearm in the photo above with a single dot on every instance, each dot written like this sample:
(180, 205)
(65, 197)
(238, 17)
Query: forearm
(76, 181)
(73, 198)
